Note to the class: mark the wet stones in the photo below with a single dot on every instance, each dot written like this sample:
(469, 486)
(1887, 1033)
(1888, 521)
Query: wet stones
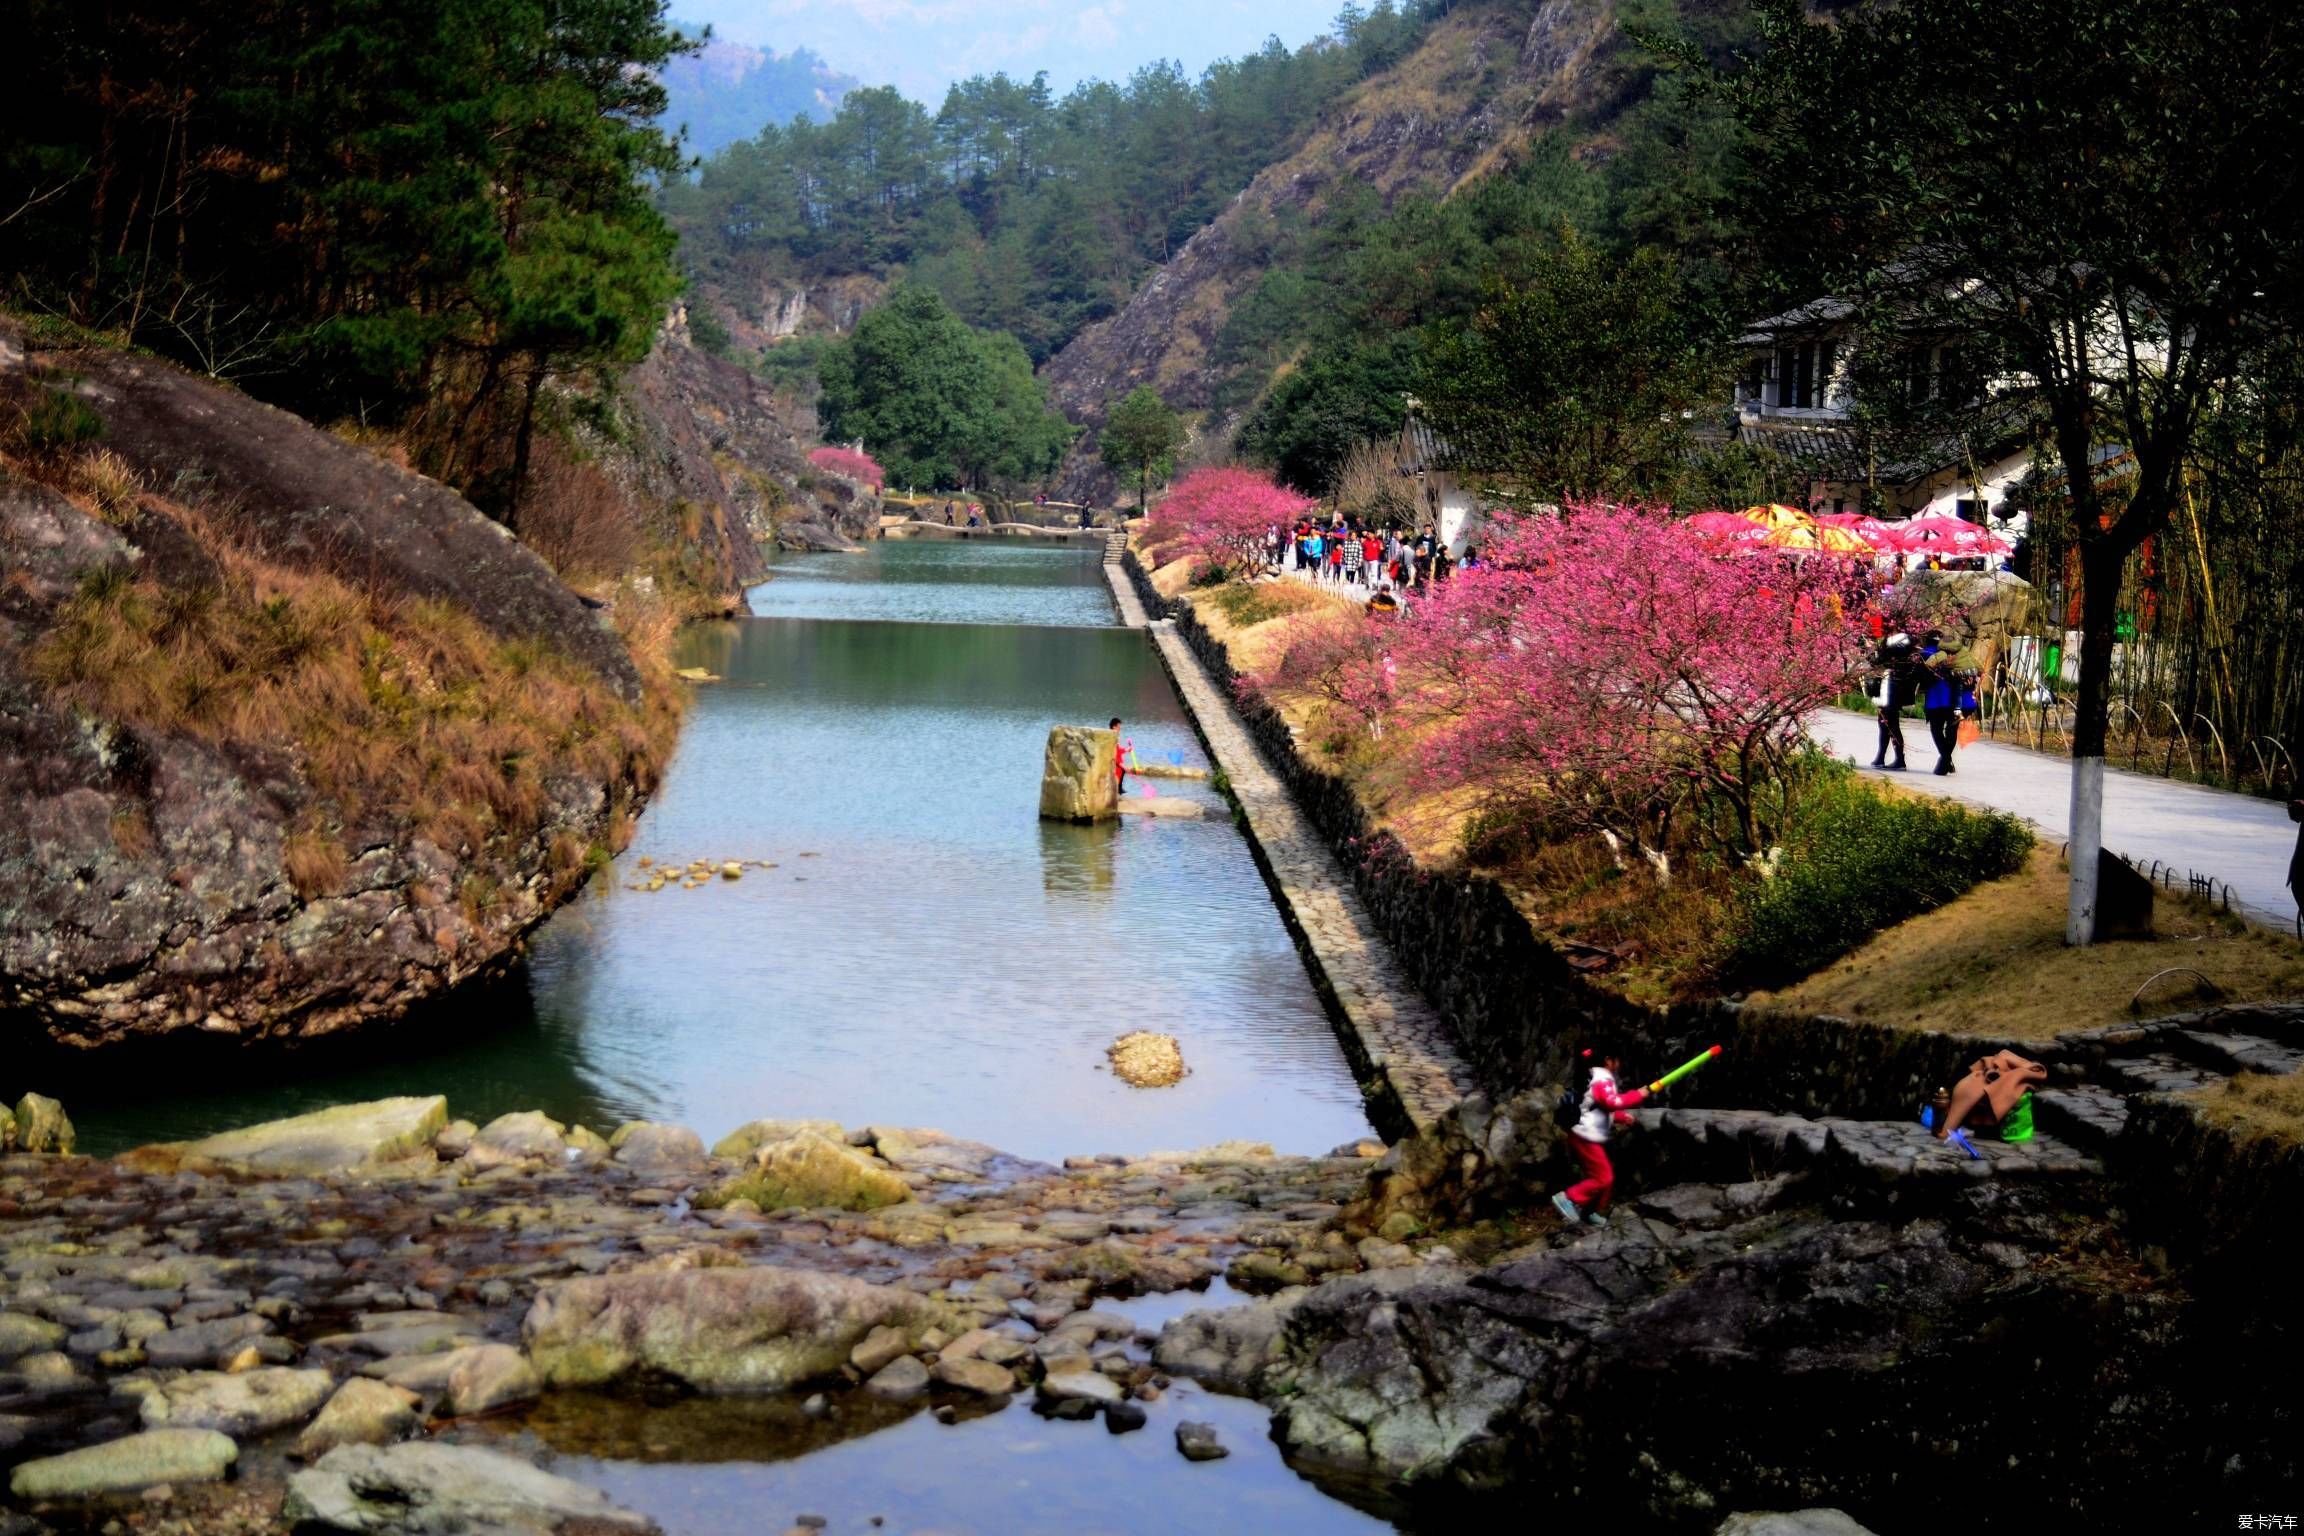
(524, 1137)
(899, 1381)
(21, 1335)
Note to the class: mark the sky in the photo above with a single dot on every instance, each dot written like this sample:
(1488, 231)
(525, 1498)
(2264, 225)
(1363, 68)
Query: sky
(923, 46)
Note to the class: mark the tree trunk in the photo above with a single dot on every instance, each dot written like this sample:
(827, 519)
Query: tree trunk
(2102, 563)
(521, 442)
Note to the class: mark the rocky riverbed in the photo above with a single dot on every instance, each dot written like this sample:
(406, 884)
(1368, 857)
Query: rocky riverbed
(379, 1319)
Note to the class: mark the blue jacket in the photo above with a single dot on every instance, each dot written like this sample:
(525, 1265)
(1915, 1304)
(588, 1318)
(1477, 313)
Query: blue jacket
(1943, 690)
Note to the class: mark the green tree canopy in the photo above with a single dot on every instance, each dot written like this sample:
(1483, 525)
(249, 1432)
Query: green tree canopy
(376, 207)
(1140, 436)
(1573, 379)
(937, 403)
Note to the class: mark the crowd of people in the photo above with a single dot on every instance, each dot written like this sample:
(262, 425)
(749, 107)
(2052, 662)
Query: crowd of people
(1347, 553)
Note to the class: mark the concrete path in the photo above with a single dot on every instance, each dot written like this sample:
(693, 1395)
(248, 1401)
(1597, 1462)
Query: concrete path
(2240, 840)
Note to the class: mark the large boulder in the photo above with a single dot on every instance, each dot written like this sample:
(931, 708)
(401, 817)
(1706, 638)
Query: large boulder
(716, 1330)
(423, 1488)
(345, 1139)
(1076, 779)
(1227, 1348)
(229, 879)
(815, 1173)
(243, 1404)
(123, 1466)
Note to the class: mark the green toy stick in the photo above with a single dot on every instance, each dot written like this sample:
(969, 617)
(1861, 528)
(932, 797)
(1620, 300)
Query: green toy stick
(1679, 1072)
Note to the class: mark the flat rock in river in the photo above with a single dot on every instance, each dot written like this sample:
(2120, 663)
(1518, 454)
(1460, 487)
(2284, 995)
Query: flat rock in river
(339, 1140)
(247, 1403)
(122, 1466)
(758, 1329)
(426, 1487)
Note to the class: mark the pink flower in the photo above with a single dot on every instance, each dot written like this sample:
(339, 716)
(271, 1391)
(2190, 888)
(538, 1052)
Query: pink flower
(1224, 516)
(849, 463)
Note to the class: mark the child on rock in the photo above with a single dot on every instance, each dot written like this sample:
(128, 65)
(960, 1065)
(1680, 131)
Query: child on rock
(1601, 1109)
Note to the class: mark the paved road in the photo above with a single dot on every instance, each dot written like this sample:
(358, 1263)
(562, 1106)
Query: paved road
(2236, 838)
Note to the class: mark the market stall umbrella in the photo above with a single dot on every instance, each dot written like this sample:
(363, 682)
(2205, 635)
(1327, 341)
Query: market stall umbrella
(1871, 530)
(1821, 537)
(1942, 535)
(1776, 515)
(1728, 527)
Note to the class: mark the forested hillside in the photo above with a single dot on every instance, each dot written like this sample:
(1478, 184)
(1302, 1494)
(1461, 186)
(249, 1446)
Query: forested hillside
(1029, 213)
(1305, 314)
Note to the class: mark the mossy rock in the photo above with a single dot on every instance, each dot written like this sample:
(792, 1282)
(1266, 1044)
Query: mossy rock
(812, 1172)
(336, 1140)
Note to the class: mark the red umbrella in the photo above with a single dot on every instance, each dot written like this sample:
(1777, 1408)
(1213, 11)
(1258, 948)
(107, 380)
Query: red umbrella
(1728, 526)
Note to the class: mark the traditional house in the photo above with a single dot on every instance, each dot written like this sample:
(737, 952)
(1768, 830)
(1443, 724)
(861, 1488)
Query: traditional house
(1434, 470)
(1796, 396)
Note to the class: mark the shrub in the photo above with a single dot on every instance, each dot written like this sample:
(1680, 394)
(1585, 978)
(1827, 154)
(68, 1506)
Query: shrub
(578, 520)
(51, 421)
(1859, 862)
(110, 481)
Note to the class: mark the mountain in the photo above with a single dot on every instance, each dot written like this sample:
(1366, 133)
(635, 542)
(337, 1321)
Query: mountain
(1485, 83)
(726, 91)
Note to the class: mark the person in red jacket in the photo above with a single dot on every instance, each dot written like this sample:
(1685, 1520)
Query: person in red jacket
(1603, 1107)
(1120, 761)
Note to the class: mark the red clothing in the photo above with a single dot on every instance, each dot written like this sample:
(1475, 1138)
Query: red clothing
(1599, 1181)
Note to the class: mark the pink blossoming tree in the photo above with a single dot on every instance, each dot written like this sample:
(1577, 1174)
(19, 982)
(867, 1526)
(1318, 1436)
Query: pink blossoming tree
(1341, 656)
(850, 463)
(1223, 516)
(1609, 670)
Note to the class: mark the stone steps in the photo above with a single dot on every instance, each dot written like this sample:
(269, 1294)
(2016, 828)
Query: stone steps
(2158, 1072)
(2228, 1054)
(1752, 1144)
(2086, 1117)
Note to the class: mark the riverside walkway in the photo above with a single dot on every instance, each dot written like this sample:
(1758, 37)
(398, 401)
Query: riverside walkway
(2239, 840)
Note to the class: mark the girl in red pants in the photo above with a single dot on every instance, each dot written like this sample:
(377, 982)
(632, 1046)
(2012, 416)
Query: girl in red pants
(1602, 1108)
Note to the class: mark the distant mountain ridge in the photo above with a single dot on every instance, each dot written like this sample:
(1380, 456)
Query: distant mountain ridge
(728, 91)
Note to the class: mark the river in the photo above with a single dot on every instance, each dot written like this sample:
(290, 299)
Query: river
(925, 951)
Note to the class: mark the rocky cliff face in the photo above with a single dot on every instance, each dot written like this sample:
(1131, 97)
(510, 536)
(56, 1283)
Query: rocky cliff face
(719, 464)
(1485, 81)
(291, 738)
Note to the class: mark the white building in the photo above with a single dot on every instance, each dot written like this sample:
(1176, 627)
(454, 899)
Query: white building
(1796, 395)
(1444, 502)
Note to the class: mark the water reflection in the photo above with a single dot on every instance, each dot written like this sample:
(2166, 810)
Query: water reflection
(1007, 1473)
(925, 951)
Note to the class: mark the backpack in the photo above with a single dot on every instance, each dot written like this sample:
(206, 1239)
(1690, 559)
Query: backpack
(1568, 1108)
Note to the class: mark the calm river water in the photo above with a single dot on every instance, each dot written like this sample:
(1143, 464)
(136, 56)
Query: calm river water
(926, 951)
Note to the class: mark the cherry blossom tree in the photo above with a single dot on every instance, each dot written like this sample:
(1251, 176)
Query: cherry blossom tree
(1223, 516)
(852, 463)
(1608, 670)
(1341, 656)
